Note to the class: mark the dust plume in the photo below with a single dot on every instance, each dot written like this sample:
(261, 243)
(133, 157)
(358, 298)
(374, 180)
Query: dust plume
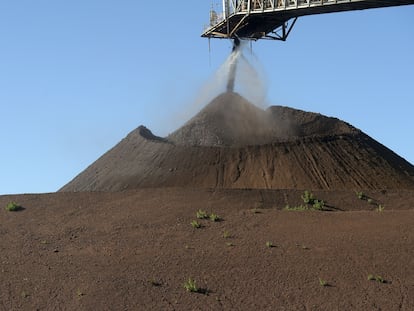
(248, 80)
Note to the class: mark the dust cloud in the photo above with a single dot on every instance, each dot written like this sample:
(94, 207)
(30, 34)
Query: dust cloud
(249, 81)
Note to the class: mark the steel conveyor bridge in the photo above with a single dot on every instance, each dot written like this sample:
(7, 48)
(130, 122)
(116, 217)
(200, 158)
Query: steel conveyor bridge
(269, 19)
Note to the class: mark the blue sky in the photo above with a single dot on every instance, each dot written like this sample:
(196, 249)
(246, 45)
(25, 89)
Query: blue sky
(77, 76)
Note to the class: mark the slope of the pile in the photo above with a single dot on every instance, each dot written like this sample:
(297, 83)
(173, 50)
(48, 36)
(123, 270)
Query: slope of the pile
(343, 158)
(230, 120)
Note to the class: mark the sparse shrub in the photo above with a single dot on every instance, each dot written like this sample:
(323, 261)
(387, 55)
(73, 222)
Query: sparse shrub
(255, 210)
(370, 201)
(323, 282)
(201, 214)
(318, 205)
(13, 207)
(360, 195)
(195, 224)
(214, 217)
(377, 278)
(311, 203)
(191, 286)
(308, 197)
(79, 293)
(229, 244)
(226, 234)
(380, 208)
(269, 244)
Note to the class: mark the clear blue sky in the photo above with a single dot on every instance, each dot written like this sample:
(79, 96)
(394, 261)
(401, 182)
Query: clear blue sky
(77, 76)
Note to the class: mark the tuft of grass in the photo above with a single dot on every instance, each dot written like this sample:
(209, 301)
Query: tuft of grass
(380, 208)
(201, 214)
(377, 278)
(311, 203)
(360, 195)
(323, 282)
(226, 234)
(308, 197)
(296, 208)
(269, 244)
(79, 293)
(214, 217)
(195, 224)
(191, 286)
(318, 205)
(13, 207)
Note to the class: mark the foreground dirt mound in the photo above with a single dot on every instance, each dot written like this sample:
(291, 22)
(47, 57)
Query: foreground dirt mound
(233, 144)
(134, 250)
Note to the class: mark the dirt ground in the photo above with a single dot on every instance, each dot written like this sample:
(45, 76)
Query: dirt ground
(134, 250)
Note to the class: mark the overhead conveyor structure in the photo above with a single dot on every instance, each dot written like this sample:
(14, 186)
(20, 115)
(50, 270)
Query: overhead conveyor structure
(274, 19)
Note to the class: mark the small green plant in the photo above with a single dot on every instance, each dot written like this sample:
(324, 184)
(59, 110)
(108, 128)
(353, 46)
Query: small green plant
(214, 217)
(226, 234)
(380, 208)
(377, 278)
(13, 207)
(296, 208)
(311, 203)
(323, 282)
(195, 224)
(201, 214)
(269, 244)
(191, 286)
(308, 197)
(360, 195)
(318, 205)
(79, 293)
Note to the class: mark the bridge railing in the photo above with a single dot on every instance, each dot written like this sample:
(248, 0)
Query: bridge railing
(233, 7)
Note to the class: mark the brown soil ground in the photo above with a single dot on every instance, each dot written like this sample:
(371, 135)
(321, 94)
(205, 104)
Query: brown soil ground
(134, 250)
(123, 239)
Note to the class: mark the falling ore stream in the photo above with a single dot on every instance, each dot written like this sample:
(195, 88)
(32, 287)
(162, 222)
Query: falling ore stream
(233, 65)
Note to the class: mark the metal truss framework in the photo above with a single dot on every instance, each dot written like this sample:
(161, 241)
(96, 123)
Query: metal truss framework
(274, 19)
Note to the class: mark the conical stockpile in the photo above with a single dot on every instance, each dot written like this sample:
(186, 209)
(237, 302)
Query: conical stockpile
(233, 144)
